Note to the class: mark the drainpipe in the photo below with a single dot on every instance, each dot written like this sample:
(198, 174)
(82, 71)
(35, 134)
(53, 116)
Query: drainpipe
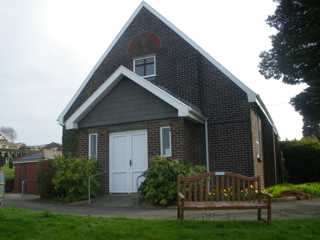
(207, 144)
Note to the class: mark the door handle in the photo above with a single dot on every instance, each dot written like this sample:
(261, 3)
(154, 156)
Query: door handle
(130, 163)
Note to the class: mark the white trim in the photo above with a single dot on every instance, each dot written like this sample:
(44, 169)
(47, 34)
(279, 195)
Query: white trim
(89, 145)
(266, 113)
(161, 144)
(183, 109)
(144, 57)
(251, 95)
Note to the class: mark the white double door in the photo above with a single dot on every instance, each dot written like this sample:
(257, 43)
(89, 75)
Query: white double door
(128, 159)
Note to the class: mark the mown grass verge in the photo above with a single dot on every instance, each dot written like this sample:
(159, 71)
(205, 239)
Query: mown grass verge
(25, 224)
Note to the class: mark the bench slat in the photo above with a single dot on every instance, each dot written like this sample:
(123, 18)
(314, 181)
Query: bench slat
(233, 184)
(222, 188)
(238, 189)
(224, 205)
(217, 188)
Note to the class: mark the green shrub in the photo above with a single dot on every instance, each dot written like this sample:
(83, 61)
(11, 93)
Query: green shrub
(311, 188)
(71, 178)
(9, 175)
(70, 142)
(160, 184)
(8, 172)
(302, 160)
(45, 179)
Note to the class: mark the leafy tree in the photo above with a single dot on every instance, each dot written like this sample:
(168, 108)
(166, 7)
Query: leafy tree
(9, 133)
(307, 105)
(295, 56)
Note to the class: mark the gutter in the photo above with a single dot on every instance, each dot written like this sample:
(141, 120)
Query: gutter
(265, 111)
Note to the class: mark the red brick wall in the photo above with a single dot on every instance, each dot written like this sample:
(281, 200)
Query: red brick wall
(194, 143)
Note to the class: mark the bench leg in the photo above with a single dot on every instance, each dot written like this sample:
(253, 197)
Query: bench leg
(259, 214)
(269, 214)
(178, 212)
(181, 214)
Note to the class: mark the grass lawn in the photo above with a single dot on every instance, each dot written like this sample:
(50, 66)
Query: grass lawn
(311, 188)
(25, 224)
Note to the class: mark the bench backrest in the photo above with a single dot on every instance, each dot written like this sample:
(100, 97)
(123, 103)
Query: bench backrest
(219, 186)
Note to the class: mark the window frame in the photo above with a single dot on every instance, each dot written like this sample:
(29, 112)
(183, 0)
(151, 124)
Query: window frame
(89, 145)
(259, 139)
(154, 65)
(161, 141)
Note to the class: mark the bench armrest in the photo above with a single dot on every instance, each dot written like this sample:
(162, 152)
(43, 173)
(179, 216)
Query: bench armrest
(264, 195)
(181, 196)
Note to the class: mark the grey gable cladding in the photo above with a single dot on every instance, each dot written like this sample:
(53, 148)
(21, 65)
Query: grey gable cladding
(127, 102)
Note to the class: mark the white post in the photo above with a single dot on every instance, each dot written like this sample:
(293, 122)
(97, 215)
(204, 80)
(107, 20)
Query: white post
(89, 190)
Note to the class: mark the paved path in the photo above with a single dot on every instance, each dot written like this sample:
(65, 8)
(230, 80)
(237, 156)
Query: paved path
(122, 207)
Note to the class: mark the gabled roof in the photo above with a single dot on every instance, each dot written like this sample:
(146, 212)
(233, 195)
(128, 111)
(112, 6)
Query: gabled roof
(52, 145)
(33, 157)
(183, 109)
(252, 96)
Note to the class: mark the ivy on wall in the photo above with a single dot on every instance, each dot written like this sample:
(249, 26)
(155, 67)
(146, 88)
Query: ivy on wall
(70, 143)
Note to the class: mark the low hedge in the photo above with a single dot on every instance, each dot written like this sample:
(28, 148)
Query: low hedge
(302, 160)
(310, 188)
(160, 184)
(45, 177)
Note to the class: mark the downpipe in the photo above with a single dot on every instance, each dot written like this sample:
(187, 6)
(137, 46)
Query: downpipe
(207, 144)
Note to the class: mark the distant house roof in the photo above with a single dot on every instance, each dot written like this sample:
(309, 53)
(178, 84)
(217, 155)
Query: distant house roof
(53, 145)
(7, 145)
(3, 138)
(34, 157)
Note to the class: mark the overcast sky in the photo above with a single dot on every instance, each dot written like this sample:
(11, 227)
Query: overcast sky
(48, 47)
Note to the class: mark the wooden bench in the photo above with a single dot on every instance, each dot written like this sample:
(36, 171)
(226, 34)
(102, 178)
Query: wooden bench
(221, 190)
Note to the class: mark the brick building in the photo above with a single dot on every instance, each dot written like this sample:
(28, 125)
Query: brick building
(156, 92)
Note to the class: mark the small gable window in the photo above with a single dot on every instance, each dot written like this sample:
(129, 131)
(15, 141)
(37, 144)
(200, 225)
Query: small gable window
(165, 141)
(93, 146)
(145, 66)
